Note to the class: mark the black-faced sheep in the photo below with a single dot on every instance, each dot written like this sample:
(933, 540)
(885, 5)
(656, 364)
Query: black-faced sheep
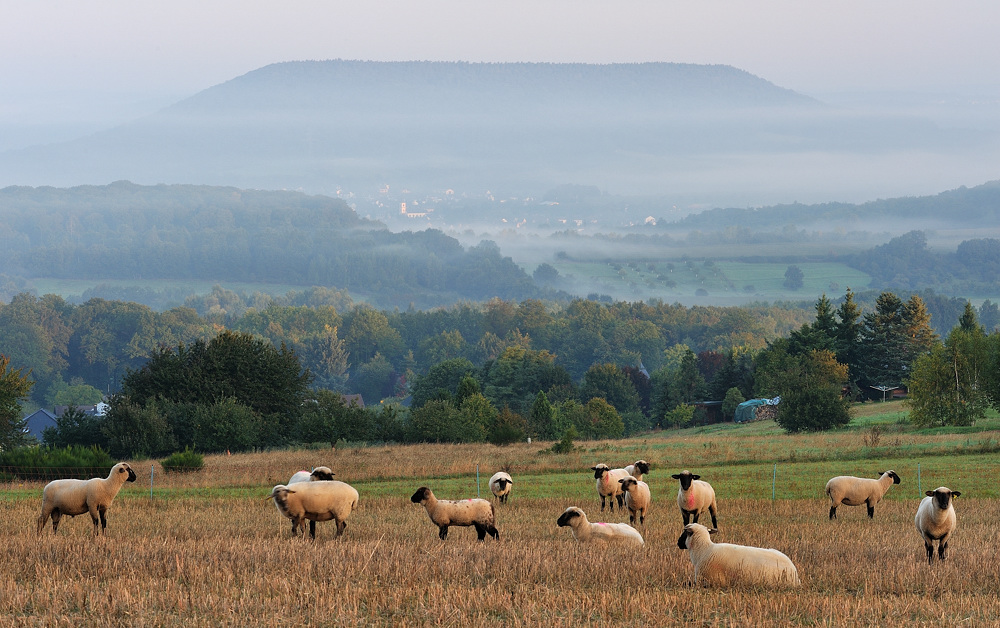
(694, 497)
(466, 512)
(637, 469)
(75, 497)
(608, 486)
(316, 501)
(851, 491)
(587, 532)
(500, 485)
(936, 520)
(637, 499)
(727, 564)
(319, 473)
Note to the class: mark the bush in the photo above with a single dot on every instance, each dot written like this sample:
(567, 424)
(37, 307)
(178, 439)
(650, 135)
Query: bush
(732, 400)
(183, 461)
(565, 446)
(48, 463)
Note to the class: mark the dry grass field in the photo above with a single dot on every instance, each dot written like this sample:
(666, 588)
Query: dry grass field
(208, 549)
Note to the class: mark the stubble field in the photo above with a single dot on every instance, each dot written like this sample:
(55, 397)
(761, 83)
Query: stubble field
(208, 549)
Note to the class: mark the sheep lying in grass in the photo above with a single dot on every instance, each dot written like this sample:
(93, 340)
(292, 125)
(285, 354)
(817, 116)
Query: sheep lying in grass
(608, 486)
(637, 499)
(587, 532)
(637, 469)
(727, 564)
(936, 520)
(319, 473)
(316, 501)
(695, 497)
(851, 491)
(75, 497)
(500, 485)
(465, 512)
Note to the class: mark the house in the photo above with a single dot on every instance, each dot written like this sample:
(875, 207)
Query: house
(38, 421)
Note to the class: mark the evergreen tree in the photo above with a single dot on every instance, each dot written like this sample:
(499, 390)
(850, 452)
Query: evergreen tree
(847, 332)
(14, 387)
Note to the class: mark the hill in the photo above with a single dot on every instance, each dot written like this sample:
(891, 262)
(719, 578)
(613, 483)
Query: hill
(356, 125)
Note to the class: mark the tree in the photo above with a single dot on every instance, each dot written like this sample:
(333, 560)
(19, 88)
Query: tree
(820, 335)
(884, 361)
(545, 274)
(75, 427)
(793, 278)
(14, 387)
(733, 399)
(811, 398)
(948, 384)
(440, 378)
(540, 420)
(847, 331)
(608, 382)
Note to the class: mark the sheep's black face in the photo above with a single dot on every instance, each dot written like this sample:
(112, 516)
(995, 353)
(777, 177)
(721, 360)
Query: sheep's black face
(895, 478)
(502, 483)
(322, 474)
(131, 475)
(599, 470)
(420, 495)
(642, 467)
(685, 477)
(682, 541)
(942, 498)
(627, 483)
(566, 517)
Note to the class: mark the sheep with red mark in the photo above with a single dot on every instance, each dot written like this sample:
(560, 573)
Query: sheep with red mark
(587, 532)
(695, 497)
(728, 564)
(608, 485)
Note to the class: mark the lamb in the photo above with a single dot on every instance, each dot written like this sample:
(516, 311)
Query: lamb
(75, 497)
(637, 469)
(727, 564)
(467, 512)
(936, 521)
(852, 491)
(637, 498)
(500, 485)
(320, 500)
(319, 473)
(695, 497)
(608, 486)
(587, 532)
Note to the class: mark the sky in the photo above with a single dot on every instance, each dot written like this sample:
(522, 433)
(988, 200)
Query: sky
(67, 65)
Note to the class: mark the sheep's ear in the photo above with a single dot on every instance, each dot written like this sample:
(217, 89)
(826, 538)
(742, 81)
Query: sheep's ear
(593, 468)
(956, 493)
(676, 476)
(695, 477)
(929, 493)
(713, 531)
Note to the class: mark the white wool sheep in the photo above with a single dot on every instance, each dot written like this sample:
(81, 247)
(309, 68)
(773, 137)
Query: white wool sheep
(587, 532)
(851, 491)
(637, 498)
(466, 512)
(936, 520)
(321, 500)
(637, 469)
(608, 486)
(319, 473)
(694, 497)
(727, 564)
(500, 485)
(75, 497)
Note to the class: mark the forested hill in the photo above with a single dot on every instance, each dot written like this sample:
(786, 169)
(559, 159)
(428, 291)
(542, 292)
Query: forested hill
(186, 232)
(975, 206)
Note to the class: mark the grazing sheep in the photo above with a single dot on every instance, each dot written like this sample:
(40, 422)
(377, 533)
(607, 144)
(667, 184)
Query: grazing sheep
(75, 497)
(727, 564)
(320, 500)
(638, 469)
(695, 497)
(500, 485)
(637, 498)
(851, 491)
(608, 486)
(587, 532)
(319, 473)
(936, 521)
(465, 512)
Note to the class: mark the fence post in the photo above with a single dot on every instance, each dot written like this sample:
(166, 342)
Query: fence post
(774, 478)
(919, 492)
(477, 479)
(151, 481)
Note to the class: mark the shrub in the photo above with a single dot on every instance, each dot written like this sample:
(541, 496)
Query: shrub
(566, 445)
(733, 399)
(183, 461)
(46, 463)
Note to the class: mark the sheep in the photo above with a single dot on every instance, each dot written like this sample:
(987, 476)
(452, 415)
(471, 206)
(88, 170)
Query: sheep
(936, 521)
(637, 498)
(608, 486)
(500, 485)
(587, 532)
(75, 497)
(726, 563)
(466, 512)
(695, 497)
(319, 473)
(320, 500)
(852, 491)
(637, 469)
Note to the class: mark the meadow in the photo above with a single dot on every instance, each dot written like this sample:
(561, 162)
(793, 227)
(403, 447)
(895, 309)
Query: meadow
(208, 548)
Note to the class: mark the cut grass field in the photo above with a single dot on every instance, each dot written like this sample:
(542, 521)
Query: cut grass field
(208, 549)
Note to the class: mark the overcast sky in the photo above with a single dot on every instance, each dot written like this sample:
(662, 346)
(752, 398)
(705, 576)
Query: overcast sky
(70, 61)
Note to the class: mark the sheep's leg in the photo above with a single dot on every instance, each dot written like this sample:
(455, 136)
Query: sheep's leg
(833, 512)
(602, 504)
(103, 511)
(942, 548)
(312, 530)
(631, 518)
(341, 526)
(56, 517)
(694, 517)
(621, 501)
(492, 529)
(930, 552)
(871, 511)
(480, 531)
(715, 523)
(443, 532)
(43, 519)
(687, 517)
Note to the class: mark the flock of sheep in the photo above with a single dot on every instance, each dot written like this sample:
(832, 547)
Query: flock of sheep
(316, 496)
